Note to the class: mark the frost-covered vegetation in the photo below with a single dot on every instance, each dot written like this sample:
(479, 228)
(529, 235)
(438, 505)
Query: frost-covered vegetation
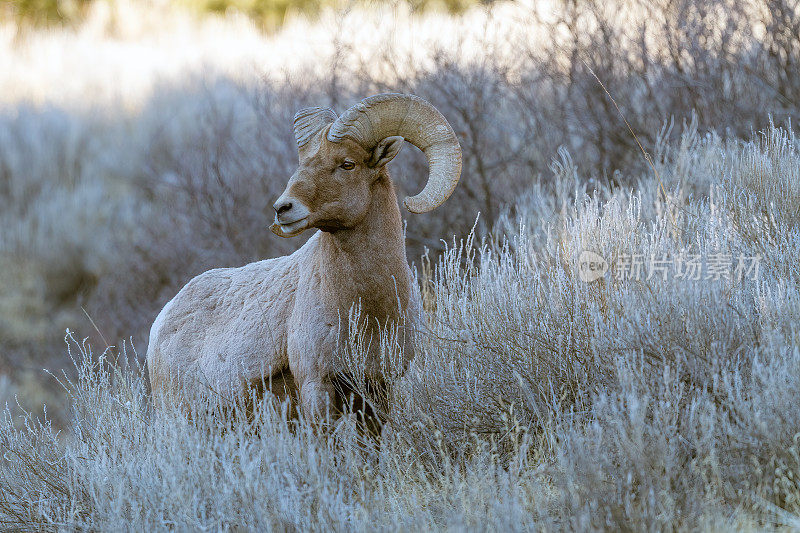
(537, 400)
(644, 400)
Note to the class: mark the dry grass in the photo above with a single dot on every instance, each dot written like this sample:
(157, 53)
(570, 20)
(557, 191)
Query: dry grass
(145, 145)
(535, 400)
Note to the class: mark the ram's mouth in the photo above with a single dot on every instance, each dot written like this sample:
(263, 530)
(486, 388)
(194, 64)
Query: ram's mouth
(282, 229)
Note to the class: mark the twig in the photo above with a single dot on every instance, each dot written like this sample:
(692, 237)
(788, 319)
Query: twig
(635, 138)
(108, 346)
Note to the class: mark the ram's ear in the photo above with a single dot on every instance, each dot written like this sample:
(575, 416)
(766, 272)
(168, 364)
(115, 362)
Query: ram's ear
(386, 150)
(309, 121)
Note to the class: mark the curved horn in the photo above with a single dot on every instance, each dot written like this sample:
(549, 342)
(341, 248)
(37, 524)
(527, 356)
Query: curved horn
(421, 124)
(309, 121)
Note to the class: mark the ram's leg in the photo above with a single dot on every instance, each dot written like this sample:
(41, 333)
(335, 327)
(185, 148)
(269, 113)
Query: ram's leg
(280, 387)
(317, 400)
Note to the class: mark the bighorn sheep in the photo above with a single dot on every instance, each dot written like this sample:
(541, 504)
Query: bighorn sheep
(231, 328)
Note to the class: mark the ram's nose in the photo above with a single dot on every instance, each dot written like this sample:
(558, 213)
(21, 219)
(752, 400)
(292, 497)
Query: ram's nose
(281, 207)
(289, 210)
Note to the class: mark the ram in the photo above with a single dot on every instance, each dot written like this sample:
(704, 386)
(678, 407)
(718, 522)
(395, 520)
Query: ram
(280, 320)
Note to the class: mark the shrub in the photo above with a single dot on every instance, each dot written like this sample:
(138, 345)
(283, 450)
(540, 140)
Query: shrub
(651, 403)
(535, 400)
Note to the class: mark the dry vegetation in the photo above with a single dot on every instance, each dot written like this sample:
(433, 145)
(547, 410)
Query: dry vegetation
(536, 400)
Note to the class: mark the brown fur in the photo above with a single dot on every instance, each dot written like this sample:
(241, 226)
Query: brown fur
(213, 333)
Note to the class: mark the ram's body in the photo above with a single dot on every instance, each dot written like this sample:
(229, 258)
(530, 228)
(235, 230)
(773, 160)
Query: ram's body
(231, 329)
(228, 328)
(225, 330)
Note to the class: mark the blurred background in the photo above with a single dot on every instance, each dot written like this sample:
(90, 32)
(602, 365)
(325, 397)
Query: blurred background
(142, 143)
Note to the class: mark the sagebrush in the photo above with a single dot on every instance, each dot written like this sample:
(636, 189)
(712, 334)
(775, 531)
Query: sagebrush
(535, 400)
(644, 400)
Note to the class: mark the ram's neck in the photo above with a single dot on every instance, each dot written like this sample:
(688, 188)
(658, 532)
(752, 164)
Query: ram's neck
(381, 228)
(374, 252)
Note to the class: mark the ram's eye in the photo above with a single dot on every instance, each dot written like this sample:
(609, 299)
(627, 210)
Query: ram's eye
(347, 165)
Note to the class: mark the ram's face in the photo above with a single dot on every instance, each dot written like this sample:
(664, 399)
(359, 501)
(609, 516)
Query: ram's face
(332, 187)
(342, 159)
